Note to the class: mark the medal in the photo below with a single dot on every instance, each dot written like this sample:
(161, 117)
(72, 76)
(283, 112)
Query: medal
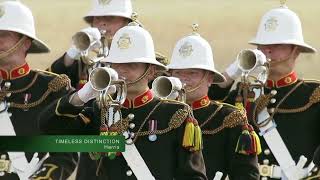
(152, 128)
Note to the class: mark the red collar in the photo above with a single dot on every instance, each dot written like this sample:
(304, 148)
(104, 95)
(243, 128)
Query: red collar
(15, 73)
(200, 103)
(139, 101)
(285, 81)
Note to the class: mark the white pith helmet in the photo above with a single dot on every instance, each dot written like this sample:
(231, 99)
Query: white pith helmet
(281, 26)
(194, 52)
(16, 17)
(121, 8)
(132, 44)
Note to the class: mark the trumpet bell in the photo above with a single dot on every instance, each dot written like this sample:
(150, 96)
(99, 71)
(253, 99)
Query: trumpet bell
(82, 41)
(102, 77)
(166, 87)
(247, 60)
(253, 64)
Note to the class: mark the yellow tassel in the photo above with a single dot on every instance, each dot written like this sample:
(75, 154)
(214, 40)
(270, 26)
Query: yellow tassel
(257, 140)
(188, 137)
(239, 105)
(197, 139)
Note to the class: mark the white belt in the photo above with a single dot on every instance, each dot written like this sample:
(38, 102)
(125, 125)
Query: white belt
(274, 141)
(131, 153)
(136, 163)
(18, 162)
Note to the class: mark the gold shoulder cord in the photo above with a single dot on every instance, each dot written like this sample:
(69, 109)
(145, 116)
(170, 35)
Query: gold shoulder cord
(234, 119)
(54, 86)
(314, 98)
(211, 115)
(3, 93)
(176, 120)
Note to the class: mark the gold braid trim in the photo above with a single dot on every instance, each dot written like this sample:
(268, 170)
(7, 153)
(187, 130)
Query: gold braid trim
(314, 98)
(3, 93)
(233, 119)
(51, 167)
(54, 85)
(176, 121)
(261, 103)
(121, 126)
(211, 115)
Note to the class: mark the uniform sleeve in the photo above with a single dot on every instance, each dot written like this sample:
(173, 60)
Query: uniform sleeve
(71, 71)
(191, 164)
(63, 118)
(241, 167)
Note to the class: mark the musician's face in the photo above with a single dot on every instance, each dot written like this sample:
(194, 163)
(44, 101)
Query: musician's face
(277, 52)
(129, 71)
(190, 77)
(109, 23)
(196, 80)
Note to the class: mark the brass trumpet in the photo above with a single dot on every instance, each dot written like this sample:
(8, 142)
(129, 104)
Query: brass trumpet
(169, 88)
(253, 64)
(90, 43)
(105, 80)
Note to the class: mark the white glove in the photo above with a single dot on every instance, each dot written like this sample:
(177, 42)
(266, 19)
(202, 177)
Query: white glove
(20, 165)
(297, 172)
(233, 70)
(73, 53)
(32, 167)
(86, 93)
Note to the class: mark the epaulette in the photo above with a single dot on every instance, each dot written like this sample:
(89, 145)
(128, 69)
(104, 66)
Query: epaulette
(235, 118)
(59, 82)
(45, 172)
(248, 141)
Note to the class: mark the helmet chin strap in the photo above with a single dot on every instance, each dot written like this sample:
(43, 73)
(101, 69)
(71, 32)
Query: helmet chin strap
(198, 85)
(13, 48)
(141, 77)
(279, 61)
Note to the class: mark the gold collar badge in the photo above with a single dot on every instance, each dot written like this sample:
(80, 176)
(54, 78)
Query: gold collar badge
(186, 49)
(124, 41)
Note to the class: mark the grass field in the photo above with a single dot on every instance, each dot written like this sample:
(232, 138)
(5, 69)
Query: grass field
(226, 24)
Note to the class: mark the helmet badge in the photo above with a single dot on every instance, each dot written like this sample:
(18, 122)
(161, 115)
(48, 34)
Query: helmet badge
(271, 24)
(104, 2)
(186, 49)
(2, 11)
(124, 41)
